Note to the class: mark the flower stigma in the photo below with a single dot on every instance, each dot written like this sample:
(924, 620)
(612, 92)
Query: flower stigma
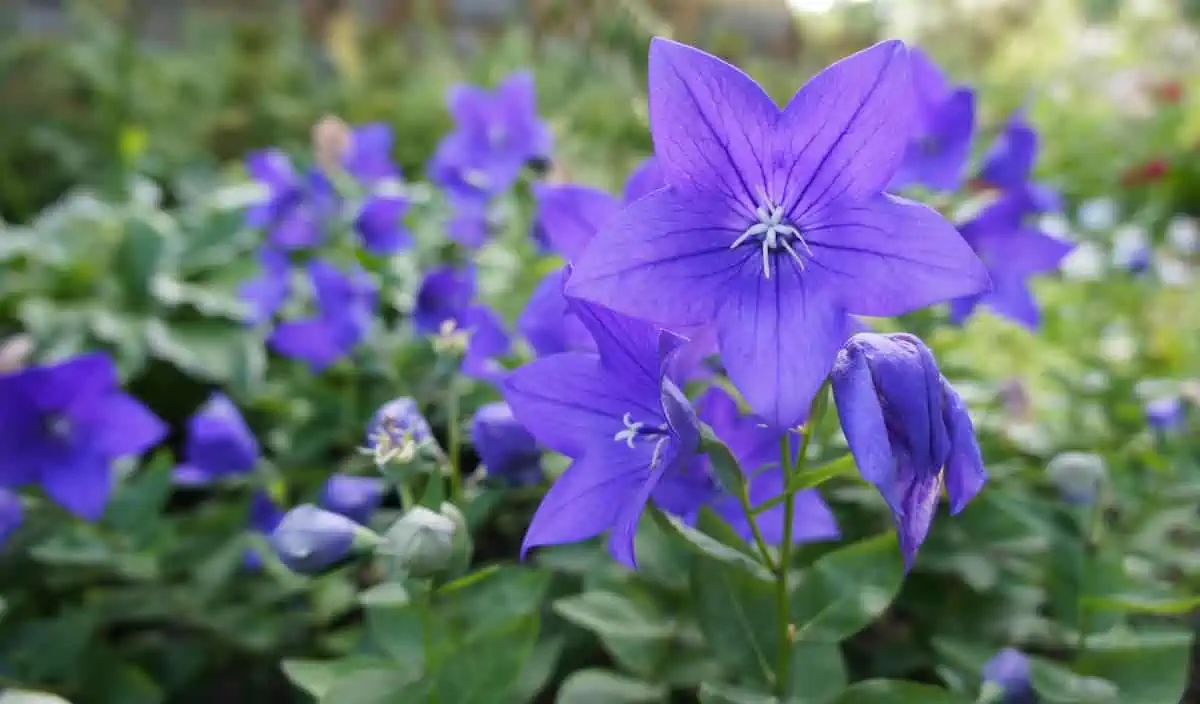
(773, 231)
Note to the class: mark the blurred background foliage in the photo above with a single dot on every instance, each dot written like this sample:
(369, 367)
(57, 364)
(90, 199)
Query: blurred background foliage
(122, 128)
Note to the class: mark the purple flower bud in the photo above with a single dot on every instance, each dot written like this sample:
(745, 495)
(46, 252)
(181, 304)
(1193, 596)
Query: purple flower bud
(219, 444)
(504, 446)
(908, 430)
(1078, 476)
(1010, 671)
(310, 540)
(355, 498)
(1165, 413)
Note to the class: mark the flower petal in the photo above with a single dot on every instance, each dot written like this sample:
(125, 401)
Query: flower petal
(121, 426)
(1009, 161)
(586, 500)
(711, 123)
(890, 256)
(80, 482)
(312, 340)
(1012, 299)
(645, 179)
(369, 158)
(628, 347)
(778, 338)
(844, 134)
(920, 493)
(378, 222)
(1022, 252)
(273, 168)
(571, 215)
(625, 524)
(861, 416)
(487, 340)
(569, 400)
(665, 259)
(964, 472)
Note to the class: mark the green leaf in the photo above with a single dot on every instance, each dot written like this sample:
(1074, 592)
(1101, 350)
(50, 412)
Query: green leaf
(898, 692)
(1146, 667)
(847, 589)
(216, 351)
(137, 508)
(739, 616)
(603, 687)
(496, 659)
(379, 685)
(728, 694)
(1056, 684)
(313, 676)
(841, 467)
(539, 667)
(605, 613)
(142, 254)
(1142, 604)
(818, 673)
(24, 696)
(707, 547)
(721, 459)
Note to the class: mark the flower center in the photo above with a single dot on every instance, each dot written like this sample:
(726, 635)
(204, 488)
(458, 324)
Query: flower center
(634, 430)
(773, 232)
(58, 427)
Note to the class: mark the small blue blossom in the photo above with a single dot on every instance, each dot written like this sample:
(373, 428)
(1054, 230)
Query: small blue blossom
(298, 206)
(354, 497)
(444, 294)
(309, 540)
(1165, 413)
(505, 448)
(379, 217)
(630, 431)
(345, 303)
(1008, 165)
(397, 431)
(908, 430)
(219, 444)
(1010, 672)
(63, 424)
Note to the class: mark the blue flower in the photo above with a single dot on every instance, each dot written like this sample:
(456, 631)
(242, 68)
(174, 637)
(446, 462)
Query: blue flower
(345, 303)
(444, 294)
(629, 429)
(397, 430)
(1013, 253)
(310, 540)
(11, 514)
(908, 430)
(62, 425)
(756, 448)
(219, 444)
(945, 121)
(1165, 413)
(487, 341)
(1009, 671)
(773, 225)
(354, 497)
(266, 293)
(378, 220)
(1008, 165)
(298, 206)
(505, 447)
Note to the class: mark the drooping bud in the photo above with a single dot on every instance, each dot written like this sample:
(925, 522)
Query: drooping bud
(310, 540)
(1077, 475)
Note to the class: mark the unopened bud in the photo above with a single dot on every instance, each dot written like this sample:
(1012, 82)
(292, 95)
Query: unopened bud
(332, 140)
(421, 543)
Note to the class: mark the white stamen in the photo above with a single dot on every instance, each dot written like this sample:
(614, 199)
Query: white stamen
(774, 232)
(630, 432)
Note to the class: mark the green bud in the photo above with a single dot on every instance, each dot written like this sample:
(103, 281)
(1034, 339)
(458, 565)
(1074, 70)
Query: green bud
(420, 543)
(461, 554)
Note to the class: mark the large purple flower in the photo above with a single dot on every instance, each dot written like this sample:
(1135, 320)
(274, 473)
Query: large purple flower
(908, 430)
(1008, 165)
(773, 222)
(1012, 253)
(345, 303)
(62, 425)
(756, 448)
(629, 429)
(219, 444)
(298, 206)
(941, 141)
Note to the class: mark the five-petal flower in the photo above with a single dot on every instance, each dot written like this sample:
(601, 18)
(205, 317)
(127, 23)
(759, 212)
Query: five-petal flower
(945, 121)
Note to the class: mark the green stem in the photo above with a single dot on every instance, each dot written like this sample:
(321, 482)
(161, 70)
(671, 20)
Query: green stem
(453, 442)
(1088, 548)
(783, 672)
(759, 541)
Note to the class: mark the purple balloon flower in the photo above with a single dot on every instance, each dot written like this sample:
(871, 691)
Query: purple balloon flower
(629, 429)
(444, 294)
(378, 220)
(908, 430)
(773, 224)
(504, 446)
(1012, 253)
(219, 444)
(396, 423)
(62, 425)
(345, 303)
(1008, 165)
(1009, 670)
(266, 293)
(298, 205)
(547, 322)
(756, 447)
(354, 497)
(11, 514)
(487, 340)
(1165, 413)
(310, 540)
(264, 516)
(941, 141)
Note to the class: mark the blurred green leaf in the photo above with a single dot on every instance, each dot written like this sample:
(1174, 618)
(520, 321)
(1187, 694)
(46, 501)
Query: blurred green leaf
(1056, 684)
(707, 547)
(24, 696)
(605, 613)
(711, 693)
(1145, 667)
(898, 692)
(216, 351)
(136, 508)
(818, 673)
(603, 687)
(1141, 604)
(739, 616)
(496, 661)
(847, 589)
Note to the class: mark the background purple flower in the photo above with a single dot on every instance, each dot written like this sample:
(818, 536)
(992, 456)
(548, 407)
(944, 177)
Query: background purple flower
(756, 448)
(908, 430)
(266, 293)
(345, 303)
(1165, 413)
(945, 120)
(444, 294)
(354, 497)
(298, 206)
(219, 444)
(487, 341)
(263, 517)
(773, 225)
(508, 451)
(1008, 165)
(62, 425)
(1010, 671)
